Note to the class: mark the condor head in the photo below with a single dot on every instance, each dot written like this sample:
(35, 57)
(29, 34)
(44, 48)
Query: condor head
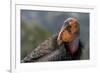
(69, 35)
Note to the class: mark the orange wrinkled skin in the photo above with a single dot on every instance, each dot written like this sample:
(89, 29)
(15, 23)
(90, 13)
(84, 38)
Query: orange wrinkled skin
(65, 35)
(74, 26)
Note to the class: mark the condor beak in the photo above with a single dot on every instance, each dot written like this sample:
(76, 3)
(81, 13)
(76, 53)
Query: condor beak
(59, 41)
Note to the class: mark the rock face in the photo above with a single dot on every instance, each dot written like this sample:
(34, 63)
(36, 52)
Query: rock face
(49, 50)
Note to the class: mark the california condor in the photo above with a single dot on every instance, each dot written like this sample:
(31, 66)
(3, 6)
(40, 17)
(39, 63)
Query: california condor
(62, 46)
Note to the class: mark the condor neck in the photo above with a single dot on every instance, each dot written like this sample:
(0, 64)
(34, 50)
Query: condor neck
(72, 47)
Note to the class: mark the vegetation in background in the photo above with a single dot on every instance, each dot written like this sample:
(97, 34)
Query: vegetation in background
(31, 37)
(36, 26)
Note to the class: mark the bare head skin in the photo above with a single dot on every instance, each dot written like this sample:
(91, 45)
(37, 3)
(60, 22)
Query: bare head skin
(69, 33)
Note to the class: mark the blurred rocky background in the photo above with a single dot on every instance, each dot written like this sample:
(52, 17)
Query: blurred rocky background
(37, 26)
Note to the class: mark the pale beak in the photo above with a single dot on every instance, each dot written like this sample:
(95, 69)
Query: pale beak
(59, 41)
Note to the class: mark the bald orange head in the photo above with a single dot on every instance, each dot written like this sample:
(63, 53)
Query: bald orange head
(69, 31)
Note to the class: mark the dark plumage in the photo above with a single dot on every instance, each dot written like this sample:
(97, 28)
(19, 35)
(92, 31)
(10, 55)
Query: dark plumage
(59, 47)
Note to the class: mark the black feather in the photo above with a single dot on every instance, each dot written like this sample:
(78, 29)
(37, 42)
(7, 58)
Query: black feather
(49, 50)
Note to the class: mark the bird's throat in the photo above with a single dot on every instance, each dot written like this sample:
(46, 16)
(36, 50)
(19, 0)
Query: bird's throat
(72, 47)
